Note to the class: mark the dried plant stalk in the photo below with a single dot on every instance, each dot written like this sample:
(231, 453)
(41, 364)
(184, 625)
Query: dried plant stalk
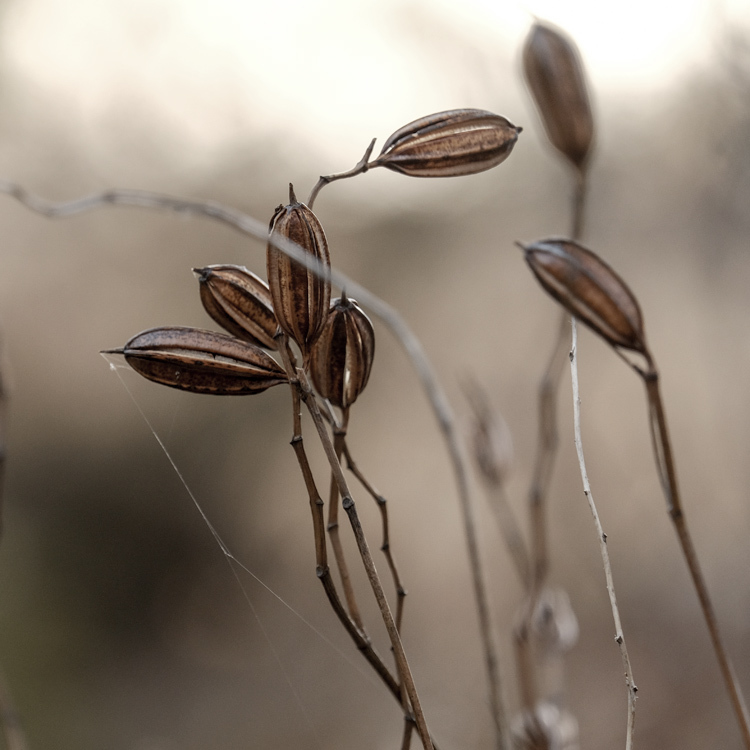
(619, 635)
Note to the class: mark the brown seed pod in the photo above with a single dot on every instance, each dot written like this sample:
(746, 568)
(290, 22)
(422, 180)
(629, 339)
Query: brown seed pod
(240, 302)
(590, 290)
(446, 144)
(554, 73)
(201, 361)
(300, 296)
(341, 358)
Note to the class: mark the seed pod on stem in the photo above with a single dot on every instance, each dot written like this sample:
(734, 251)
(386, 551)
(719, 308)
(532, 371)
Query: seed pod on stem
(240, 302)
(554, 73)
(590, 290)
(300, 295)
(201, 361)
(451, 143)
(341, 358)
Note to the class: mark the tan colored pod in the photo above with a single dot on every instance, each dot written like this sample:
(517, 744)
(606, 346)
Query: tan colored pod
(451, 143)
(240, 302)
(554, 73)
(341, 358)
(590, 290)
(199, 361)
(300, 296)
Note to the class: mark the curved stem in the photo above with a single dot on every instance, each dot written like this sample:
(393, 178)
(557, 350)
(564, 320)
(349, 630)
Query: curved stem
(665, 463)
(361, 167)
(385, 546)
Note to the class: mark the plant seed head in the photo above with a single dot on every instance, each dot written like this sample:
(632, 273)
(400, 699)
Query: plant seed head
(201, 361)
(554, 73)
(341, 358)
(240, 302)
(446, 144)
(590, 290)
(300, 296)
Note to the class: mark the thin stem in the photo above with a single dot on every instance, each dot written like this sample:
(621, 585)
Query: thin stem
(333, 531)
(546, 453)
(361, 167)
(385, 547)
(578, 202)
(369, 565)
(665, 463)
(619, 636)
(321, 561)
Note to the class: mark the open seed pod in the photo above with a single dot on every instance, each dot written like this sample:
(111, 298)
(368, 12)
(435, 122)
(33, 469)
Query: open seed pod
(446, 144)
(201, 361)
(300, 296)
(554, 73)
(590, 290)
(341, 358)
(240, 302)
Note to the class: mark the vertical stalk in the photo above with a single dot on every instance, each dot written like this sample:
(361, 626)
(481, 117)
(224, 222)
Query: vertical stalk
(369, 565)
(339, 434)
(668, 475)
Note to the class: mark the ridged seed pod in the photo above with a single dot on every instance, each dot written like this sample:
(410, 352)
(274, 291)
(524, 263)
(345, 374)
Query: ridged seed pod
(554, 73)
(201, 361)
(341, 358)
(240, 302)
(590, 290)
(451, 143)
(300, 296)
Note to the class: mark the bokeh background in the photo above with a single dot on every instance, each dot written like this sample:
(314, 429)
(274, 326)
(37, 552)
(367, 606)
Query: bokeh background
(121, 624)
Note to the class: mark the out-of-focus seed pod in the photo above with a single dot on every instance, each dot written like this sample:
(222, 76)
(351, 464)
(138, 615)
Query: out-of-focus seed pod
(554, 73)
(446, 144)
(341, 358)
(240, 302)
(547, 727)
(300, 296)
(554, 623)
(201, 361)
(590, 290)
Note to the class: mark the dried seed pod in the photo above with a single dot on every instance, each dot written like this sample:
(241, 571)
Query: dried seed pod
(341, 358)
(446, 144)
(201, 361)
(240, 302)
(554, 73)
(590, 290)
(300, 296)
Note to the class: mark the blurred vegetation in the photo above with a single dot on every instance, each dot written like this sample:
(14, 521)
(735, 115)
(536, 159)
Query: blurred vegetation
(121, 625)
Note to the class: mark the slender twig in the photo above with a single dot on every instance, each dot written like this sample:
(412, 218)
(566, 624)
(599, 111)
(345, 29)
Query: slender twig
(333, 530)
(665, 463)
(321, 558)
(390, 318)
(368, 562)
(361, 167)
(619, 635)
(385, 547)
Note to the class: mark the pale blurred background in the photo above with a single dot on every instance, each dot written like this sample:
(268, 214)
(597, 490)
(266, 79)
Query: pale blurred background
(121, 624)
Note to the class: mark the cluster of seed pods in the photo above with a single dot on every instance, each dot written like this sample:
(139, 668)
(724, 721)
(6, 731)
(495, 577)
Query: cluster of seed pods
(335, 337)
